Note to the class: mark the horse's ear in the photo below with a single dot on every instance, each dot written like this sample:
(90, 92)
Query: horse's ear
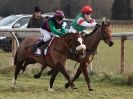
(83, 33)
(103, 23)
(98, 25)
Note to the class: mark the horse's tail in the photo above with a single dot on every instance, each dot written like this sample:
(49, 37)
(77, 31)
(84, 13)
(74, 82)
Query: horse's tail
(15, 58)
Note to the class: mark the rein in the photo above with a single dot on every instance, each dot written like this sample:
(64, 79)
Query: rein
(103, 37)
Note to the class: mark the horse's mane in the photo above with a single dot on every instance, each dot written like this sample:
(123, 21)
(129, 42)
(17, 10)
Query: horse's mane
(94, 30)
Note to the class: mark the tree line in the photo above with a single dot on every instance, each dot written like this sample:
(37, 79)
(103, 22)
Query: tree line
(111, 9)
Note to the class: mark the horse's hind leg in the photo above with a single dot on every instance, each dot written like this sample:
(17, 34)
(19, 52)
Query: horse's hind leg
(38, 75)
(75, 77)
(23, 67)
(17, 70)
(49, 72)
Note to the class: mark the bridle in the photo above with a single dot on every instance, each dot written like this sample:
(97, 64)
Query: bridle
(103, 32)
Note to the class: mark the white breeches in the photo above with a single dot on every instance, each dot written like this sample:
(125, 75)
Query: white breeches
(47, 35)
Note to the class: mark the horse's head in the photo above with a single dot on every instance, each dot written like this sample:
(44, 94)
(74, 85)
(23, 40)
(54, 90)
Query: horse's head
(106, 33)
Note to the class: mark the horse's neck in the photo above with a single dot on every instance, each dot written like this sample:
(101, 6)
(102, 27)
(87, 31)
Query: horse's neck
(92, 41)
(61, 45)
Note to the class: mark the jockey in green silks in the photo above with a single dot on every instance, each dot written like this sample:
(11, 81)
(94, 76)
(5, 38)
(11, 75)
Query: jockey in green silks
(52, 26)
(83, 20)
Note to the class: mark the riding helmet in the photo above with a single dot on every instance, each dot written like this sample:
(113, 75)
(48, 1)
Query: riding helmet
(59, 15)
(37, 9)
(86, 10)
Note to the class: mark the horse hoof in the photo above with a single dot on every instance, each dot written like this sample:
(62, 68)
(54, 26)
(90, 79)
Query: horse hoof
(67, 85)
(51, 90)
(36, 76)
(90, 89)
(74, 86)
(13, 88)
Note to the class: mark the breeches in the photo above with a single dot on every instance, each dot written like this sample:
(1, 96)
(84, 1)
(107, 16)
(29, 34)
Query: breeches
(45, 35)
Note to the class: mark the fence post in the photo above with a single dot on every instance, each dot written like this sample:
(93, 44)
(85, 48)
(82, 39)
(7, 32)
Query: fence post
(13, 46)
(15, 43)
(123, 38)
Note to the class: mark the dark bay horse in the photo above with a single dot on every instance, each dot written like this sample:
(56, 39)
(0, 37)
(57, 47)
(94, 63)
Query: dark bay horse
(55, 57)
(92, 40)
(101, 32)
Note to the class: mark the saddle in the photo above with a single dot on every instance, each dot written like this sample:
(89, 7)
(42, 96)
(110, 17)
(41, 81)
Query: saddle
(42, 50)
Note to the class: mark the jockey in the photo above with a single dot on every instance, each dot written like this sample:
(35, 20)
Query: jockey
(83, 20)
(51, 27)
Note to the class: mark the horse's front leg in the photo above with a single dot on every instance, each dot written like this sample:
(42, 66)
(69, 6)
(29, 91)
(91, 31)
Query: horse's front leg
(55, 70)
(66, 75)
(85, 72)
(38, 75)
(75, 77)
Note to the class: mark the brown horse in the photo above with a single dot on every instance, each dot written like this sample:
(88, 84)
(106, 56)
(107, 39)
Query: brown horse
(92, 40)
(101, 32)
(55, 57)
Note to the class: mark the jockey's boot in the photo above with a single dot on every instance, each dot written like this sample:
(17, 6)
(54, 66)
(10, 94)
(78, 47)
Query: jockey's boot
(38, 44)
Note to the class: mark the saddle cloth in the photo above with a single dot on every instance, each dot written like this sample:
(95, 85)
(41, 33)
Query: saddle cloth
(38, 50)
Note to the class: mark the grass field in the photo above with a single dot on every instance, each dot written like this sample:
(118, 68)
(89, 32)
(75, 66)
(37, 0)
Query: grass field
(29, 88)
(107, 58)
(106, 81)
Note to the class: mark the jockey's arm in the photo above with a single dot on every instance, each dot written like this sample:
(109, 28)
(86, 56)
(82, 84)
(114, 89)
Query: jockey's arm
(53, 29)
(83, 23)
(63, 30)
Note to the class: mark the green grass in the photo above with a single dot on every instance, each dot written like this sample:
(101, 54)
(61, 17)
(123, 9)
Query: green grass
(106, 81)
(29, 88)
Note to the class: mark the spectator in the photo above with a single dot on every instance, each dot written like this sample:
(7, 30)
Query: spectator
(36, 19)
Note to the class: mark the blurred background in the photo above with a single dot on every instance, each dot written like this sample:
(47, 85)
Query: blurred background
(111, 9)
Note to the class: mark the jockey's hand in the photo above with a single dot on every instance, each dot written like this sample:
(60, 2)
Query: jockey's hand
(91, 20)
(71, 31)
(57, 36)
